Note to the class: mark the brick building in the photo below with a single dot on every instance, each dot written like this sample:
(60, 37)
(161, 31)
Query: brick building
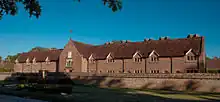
(36, 61)
(183, 55)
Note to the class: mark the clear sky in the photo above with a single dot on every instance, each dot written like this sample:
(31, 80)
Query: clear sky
(92, 22)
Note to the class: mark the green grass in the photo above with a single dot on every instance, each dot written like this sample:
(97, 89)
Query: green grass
(94, 94)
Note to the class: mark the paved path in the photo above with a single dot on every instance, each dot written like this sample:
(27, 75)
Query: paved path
(5, 98)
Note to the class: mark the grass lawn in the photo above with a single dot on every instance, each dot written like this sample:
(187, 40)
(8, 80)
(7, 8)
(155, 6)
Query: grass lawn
(94, 94)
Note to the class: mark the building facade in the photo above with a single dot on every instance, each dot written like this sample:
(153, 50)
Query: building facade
(183, 55)
(33, 62)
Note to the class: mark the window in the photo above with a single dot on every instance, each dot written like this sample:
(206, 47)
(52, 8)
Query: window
(191, 58)
(34, 61)
(192, 71)
(155, 71)
(110, 71)
(110, 60)
(137, 71)
(69, 62)
(166, 71)
(154, 59)
(28, 61)
(69, 55)
(137, 59)
(91, 61)
(47, 61)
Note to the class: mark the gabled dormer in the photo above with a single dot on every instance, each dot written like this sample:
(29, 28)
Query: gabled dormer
(34, 60)
(109, 58)
(154, 56)
(91, 59)
(137, 57)
(47, 60)
(28, 61)
(16, 61)
(190, 56)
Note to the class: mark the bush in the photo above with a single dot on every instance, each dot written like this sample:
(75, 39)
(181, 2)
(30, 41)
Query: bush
(213, 71)
(6, 69)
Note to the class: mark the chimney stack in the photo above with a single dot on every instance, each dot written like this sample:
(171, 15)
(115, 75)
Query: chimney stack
(190, 36)
(146, 39)
(166, 38)
(196, 35)
(161, 38)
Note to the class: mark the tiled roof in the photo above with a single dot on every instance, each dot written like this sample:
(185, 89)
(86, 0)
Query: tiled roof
(213, 63)
(167, 47)
(40, 56)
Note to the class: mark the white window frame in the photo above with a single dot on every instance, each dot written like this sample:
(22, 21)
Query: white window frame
(69, 54)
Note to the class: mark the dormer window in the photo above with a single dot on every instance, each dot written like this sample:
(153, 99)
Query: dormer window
(154, 59)
(91, 59)
(16, 61)
(154, 56)
(28, 61)
(109, 58)
(47, 61)
(34, 61)
(190, 56)
(69, 55)
(137, 57)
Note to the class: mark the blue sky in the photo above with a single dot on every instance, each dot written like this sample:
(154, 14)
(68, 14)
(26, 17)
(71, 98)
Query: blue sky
(92, 22)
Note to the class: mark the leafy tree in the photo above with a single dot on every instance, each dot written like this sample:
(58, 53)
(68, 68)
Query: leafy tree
(0, 58)
(38, 49)
(11, 58)
(41, 49)
(34, 9)
(208, 58)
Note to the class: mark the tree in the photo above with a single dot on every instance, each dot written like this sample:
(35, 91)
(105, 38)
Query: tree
(11, 58)
(208, 58)
(34, 9)
(38, 49)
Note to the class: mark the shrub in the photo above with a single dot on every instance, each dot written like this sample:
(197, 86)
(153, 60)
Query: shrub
(213, 71)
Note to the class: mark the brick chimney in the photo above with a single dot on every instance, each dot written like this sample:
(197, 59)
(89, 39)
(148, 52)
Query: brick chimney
(161, 38)
(196, 35)
(166, 38)
(146, 39)
(190, 36)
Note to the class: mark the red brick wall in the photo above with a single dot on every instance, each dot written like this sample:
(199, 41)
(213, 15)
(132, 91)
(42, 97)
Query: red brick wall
(76, 57)
(34, 68)
(108, 67)
(131, 67)
(164, 64)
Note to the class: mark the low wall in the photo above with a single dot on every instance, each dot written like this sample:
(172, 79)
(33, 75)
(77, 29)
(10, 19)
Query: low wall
(4, 75)
(182, 82)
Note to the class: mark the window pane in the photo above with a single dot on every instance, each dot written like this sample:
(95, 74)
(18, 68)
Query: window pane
(192, 58)
(69, 55)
